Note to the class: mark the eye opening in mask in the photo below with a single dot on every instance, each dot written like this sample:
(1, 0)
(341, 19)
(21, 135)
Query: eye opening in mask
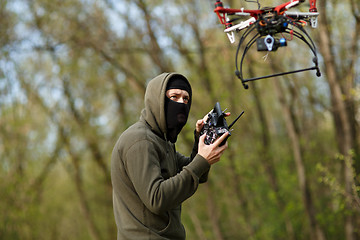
(178, 95)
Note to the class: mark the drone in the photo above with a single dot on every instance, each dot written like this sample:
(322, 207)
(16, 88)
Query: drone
(268, 28)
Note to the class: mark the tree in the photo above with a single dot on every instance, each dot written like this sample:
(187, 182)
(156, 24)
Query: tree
(341, 79)
(72, 78)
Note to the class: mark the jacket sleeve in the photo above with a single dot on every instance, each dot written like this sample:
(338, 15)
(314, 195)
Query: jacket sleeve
(184, 161)
(142, 163)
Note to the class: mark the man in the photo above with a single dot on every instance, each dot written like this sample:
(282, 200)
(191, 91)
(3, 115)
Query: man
(150, 179)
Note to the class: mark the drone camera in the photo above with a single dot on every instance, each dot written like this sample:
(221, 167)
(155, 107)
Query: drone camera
(269, 43)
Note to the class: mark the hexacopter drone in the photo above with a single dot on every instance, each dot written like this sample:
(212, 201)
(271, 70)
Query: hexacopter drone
(270, 24)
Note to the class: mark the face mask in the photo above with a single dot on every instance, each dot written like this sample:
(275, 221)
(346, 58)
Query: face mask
(176, 117)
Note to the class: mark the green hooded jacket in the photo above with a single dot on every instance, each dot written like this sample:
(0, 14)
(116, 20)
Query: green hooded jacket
(150, 179)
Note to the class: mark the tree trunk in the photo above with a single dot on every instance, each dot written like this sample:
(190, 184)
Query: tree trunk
(316, 233)
(340, 114)
(268, 160)
(78, 179)
(197, 224)
(212, 212)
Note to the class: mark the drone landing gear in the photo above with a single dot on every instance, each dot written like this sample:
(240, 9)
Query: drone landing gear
(246, 86)
(267, 42)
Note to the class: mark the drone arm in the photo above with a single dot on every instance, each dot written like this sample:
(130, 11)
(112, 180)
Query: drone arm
(241, 25)
(312, 6)
(285, 6)
(313, 9)
(218, 10)
(309, 16)
(221, 12)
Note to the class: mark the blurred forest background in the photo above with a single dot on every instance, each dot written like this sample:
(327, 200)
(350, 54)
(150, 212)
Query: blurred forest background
(72, 78)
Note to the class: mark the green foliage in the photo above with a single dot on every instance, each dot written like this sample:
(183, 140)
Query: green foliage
(72, 78)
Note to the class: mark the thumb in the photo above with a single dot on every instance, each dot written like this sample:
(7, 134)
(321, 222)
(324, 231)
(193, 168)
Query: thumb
(220, 139)
(202, 139)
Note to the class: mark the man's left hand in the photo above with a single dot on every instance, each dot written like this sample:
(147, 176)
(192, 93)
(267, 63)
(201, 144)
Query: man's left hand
(201, 122)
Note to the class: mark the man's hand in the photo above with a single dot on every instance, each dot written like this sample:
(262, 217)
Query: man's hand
(212, 152)
(200, 123)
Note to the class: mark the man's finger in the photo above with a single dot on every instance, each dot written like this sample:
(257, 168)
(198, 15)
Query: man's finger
(220, 139)
(199, 125)
(202, 138)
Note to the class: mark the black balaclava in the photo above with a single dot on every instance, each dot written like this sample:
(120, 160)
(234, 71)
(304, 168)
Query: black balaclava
(176, 113)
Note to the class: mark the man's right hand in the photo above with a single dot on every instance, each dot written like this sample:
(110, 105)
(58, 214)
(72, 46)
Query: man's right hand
(212, 152)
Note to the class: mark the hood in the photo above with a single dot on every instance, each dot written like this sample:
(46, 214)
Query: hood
(154, 111)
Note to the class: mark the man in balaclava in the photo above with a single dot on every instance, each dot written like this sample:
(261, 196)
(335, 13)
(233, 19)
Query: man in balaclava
(150, 179)
(177, 106)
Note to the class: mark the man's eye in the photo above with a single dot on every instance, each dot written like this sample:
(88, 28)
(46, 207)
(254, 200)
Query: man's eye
(173, 97)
